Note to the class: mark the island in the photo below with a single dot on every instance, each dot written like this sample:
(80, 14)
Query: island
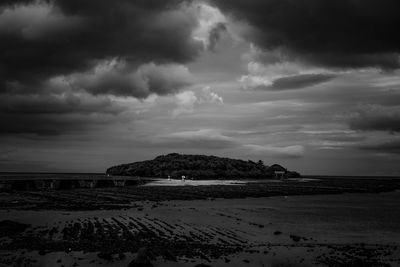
(198, 167)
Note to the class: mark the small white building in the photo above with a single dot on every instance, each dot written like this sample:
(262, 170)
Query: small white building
(278, 171)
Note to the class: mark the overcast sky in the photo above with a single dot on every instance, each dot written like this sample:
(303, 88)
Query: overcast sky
(313, 85)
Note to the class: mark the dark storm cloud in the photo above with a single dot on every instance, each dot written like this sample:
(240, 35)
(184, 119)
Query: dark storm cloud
(60, 60)
(392, 147)
(55, 114)
(333, 33)
(377, 123)
(376, 118)
(50, 124)
(300, 81)
(40, 40)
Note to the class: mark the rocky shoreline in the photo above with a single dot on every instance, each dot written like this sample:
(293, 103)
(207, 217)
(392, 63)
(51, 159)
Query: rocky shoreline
(186, 225)
(129, 196)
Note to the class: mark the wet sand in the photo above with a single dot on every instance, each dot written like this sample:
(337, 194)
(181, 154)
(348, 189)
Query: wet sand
(177, 182)
(311, 230)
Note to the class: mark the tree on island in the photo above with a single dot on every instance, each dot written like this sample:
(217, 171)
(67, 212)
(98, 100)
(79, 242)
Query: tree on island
(176, 165)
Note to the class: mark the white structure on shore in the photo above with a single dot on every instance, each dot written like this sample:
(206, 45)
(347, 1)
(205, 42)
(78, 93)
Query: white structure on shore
(278, 171)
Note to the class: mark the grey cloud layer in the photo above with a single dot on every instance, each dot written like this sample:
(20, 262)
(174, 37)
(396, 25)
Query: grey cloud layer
(88, 31)
(61, 60)
(334, 33)
(122, 80)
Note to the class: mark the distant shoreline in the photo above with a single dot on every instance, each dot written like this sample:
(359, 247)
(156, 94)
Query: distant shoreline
(118, 196)
(320, 176)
